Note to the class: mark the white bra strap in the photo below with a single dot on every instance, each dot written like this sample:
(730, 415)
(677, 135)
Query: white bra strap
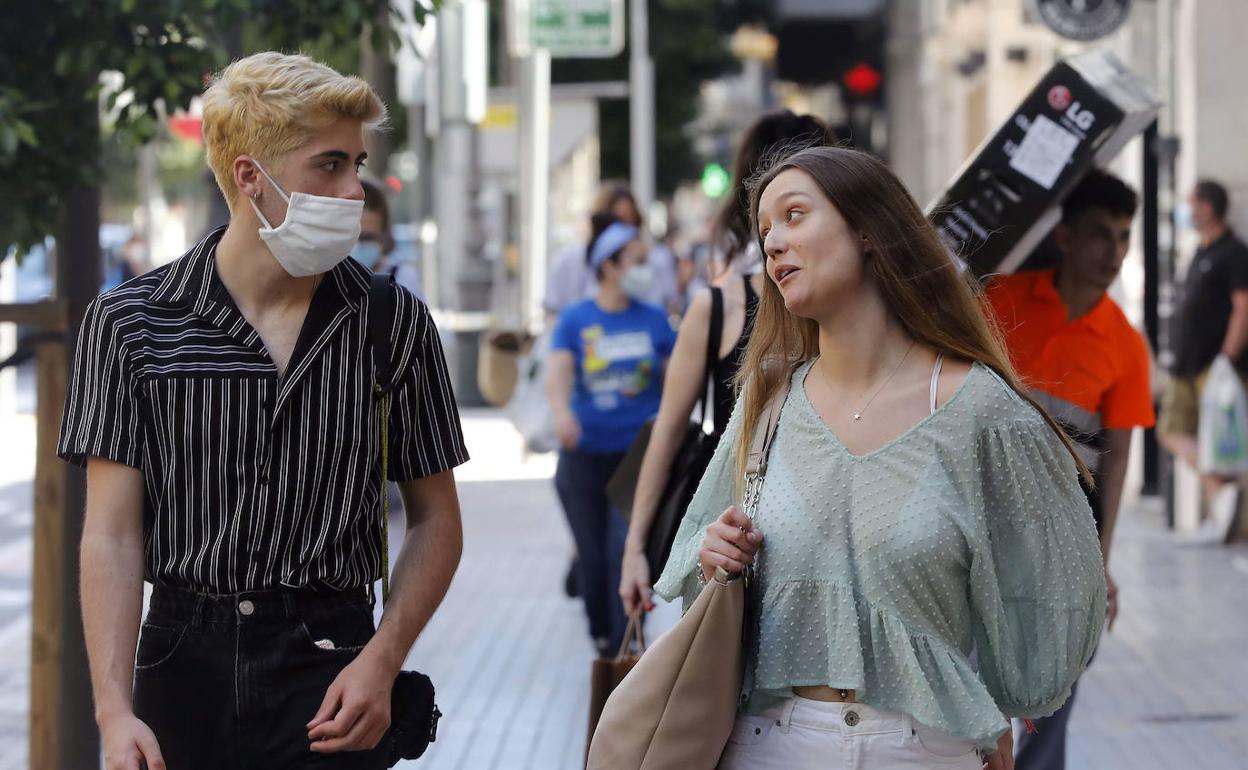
(940, 359)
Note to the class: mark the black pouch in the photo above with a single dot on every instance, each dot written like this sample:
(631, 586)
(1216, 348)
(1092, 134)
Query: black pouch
(413, 717)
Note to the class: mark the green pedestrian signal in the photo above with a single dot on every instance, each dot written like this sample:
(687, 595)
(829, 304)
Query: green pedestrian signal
(715, 181)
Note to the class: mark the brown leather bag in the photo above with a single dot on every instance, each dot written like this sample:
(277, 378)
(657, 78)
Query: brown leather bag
(607, 673)
(676, 708)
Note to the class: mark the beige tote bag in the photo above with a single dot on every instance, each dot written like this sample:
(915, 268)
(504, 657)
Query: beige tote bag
(676, 708)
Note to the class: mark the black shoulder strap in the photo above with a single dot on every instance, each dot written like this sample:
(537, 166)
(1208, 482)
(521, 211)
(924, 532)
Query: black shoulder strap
(714, 332)
(380, 319)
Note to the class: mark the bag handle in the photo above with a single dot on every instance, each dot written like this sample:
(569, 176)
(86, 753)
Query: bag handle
(636, 630)
(380, 319)
(760, 442)
(760, 448)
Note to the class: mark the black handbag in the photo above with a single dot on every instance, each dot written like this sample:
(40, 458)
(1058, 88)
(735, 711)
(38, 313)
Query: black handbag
(694, 455)
(413, 713)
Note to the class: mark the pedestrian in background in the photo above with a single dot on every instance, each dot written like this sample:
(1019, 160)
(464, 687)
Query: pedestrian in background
(605, 373)
(376, 247)
(1212, 320)
(918, 505)
(1084, 362)
(569, 282)
(571, 278)
(728, 305)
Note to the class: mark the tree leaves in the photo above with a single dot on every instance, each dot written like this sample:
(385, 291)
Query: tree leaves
(52, 53)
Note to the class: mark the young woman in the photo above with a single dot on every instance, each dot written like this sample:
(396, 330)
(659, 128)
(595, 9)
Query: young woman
(606, 363)
(920, 510)
(739, 277)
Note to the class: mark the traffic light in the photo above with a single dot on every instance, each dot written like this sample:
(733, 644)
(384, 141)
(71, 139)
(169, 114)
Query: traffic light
(715, 181)
(826, 41)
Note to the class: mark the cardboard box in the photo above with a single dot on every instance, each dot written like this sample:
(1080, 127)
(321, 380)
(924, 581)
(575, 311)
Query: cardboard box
(1008, 196)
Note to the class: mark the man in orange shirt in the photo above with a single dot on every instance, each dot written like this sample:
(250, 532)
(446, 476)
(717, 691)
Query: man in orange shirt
(1084, 361)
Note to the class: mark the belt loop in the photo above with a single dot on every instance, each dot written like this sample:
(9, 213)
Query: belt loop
(907, 724)
(786, 714)
(290, 605)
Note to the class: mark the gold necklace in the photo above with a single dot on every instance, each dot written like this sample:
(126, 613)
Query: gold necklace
(897, 368)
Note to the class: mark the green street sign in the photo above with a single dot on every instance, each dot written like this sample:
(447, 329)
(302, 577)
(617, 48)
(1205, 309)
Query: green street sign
(578, 28)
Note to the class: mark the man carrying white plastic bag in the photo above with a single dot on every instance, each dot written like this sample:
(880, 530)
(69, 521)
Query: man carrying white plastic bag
(1211, 326)
(1222, 440)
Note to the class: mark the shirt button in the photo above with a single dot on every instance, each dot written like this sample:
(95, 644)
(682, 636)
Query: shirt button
(246, 607)
(264, 479)
(852, 719)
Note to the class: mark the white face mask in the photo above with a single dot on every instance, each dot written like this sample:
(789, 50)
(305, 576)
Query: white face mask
(637, 281)
(318, 232)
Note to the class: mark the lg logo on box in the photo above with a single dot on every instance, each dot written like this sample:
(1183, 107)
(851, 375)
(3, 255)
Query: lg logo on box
(1061, 99)
(1080, 117)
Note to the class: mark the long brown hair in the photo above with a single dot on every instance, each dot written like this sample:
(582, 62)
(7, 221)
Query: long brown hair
(932, 299)
(774, 130)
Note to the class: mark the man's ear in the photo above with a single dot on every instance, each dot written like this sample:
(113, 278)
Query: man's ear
(246, 177)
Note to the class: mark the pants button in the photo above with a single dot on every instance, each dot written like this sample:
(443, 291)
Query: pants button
(246, 607)
(852, 719)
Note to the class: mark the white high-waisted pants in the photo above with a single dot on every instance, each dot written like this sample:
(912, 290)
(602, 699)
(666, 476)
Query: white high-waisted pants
(803, 734)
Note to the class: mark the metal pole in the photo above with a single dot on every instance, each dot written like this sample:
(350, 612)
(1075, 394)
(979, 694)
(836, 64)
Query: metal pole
(421, 211)
(641, 106)
(1152, 286)
(534, 155)
(465, 278)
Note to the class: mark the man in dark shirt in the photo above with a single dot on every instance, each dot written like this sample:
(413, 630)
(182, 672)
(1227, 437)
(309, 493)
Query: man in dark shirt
(224, 406)
(1212, 321)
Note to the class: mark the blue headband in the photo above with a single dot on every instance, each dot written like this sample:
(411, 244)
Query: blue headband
(615, 237)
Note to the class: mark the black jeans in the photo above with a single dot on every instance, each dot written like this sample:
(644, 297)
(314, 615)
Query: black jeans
(229, 682)
(599, 531)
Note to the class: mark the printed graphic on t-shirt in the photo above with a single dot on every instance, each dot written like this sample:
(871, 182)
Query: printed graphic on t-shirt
(616, 365)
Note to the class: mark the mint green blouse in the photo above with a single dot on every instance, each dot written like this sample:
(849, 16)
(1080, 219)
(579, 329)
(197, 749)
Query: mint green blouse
(954, 574)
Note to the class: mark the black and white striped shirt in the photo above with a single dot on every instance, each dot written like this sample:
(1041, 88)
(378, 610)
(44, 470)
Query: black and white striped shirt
(252, 481)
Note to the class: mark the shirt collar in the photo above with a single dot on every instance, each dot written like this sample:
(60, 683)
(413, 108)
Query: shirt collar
(1098, 319)
(192, 278)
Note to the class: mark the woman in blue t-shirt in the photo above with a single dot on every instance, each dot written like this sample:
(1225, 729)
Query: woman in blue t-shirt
(605, 379)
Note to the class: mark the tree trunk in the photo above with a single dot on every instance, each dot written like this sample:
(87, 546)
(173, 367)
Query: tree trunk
(377, 67)
(62, 721)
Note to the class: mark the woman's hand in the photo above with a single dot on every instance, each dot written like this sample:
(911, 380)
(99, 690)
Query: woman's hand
(731, 542)
(567, 429)
(635, 582)
(1003, 757)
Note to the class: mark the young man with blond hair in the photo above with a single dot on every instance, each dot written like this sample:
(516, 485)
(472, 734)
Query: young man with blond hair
(223, 408)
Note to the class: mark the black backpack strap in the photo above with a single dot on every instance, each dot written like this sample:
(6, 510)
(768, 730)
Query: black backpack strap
(713, 334)
(380, 319)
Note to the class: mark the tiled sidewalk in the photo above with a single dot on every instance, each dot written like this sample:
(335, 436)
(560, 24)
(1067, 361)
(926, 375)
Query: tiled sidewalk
(508, 652)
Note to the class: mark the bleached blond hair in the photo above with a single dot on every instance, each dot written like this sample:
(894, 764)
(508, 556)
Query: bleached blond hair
(271, 103)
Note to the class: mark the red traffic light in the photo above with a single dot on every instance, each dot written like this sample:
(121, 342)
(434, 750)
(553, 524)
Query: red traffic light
(862, 79)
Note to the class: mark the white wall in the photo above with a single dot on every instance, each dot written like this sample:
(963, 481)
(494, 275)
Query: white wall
(1212, 61)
